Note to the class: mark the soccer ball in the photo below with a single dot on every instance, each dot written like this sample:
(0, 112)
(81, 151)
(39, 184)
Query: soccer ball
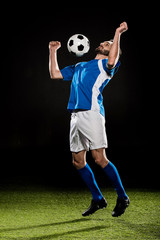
(78, 44)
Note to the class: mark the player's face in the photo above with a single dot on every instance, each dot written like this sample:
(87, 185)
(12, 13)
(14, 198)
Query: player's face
(104, 48)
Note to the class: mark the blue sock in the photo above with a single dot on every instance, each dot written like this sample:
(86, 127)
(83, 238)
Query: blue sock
(111, 171)
(89, 179)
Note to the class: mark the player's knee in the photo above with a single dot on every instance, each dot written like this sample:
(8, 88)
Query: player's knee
(100, 157)
(77, 162)
(101, 161)
(78, 165)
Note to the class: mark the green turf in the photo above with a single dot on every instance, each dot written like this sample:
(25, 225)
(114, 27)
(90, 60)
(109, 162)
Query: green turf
(38, 213)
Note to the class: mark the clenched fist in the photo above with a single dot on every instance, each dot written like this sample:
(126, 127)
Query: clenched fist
(123, 27)
(54, 45)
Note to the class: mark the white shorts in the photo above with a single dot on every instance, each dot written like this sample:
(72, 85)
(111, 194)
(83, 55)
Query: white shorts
(87, 131)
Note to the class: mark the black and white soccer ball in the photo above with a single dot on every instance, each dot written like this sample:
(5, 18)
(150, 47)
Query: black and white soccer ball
(78, 44)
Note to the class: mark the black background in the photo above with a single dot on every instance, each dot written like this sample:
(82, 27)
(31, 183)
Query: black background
(34, 139)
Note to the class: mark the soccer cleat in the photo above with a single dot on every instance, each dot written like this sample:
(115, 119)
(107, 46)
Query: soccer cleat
(95, 205)
(120, 207)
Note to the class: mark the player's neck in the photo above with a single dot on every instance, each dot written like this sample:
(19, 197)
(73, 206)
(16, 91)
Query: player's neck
(100, 56)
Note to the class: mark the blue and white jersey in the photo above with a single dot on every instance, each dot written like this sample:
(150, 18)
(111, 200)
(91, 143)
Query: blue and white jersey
(88, 82)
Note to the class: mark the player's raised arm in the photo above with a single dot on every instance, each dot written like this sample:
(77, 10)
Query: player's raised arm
(114, 52)
(53, 64)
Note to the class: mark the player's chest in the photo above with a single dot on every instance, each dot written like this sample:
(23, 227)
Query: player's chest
(84, 72)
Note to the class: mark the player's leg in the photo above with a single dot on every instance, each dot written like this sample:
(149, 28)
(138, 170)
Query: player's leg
(79, 162)
(99, 155)
(110, 170)
(79, 159)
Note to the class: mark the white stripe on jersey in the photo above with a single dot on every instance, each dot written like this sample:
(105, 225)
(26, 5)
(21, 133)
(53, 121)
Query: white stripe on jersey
(98, 83)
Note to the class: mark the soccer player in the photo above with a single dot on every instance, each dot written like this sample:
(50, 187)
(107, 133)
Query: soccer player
(87, 126)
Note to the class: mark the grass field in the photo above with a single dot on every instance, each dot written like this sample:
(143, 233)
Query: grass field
(34, 213)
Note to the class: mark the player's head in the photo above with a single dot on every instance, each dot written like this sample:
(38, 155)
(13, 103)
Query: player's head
(105, 47)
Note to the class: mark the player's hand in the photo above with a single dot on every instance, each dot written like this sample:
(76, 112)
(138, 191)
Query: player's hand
(123, 27)
(54, 45)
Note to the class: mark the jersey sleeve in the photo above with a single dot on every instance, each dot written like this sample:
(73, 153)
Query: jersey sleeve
(112, 71)
(68, 73)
